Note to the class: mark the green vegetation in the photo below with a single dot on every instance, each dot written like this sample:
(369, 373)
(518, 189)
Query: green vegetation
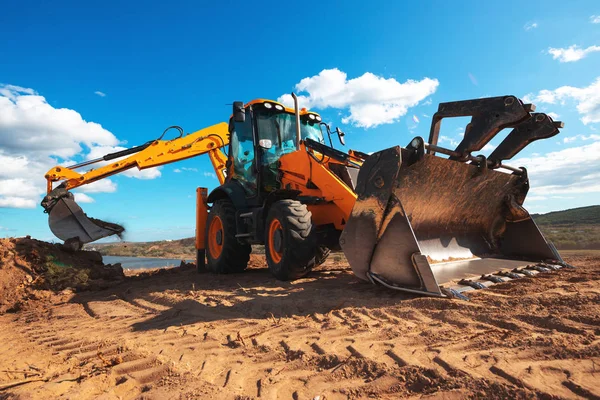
(577, 228)
(575, 216)
(59, 275)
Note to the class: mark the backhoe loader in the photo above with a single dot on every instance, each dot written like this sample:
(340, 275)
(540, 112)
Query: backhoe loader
(405, 218)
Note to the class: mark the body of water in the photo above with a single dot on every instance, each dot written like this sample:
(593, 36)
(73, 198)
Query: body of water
(142, 262)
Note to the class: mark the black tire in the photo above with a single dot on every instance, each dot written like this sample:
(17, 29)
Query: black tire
(294, 243)
(233, 256)
(321, 255)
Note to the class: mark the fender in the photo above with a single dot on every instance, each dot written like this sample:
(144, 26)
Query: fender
(231, 190)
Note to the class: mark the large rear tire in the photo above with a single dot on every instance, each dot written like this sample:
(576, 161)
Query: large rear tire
(290, 243)
(224, 252)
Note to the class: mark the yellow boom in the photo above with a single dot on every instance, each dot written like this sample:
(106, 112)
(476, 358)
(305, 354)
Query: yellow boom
(67, 220)
(153, 154)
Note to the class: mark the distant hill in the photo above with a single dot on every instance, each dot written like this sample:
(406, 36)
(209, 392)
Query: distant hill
(182, 248)
(574, 229)
(582, 215)
(577, 229)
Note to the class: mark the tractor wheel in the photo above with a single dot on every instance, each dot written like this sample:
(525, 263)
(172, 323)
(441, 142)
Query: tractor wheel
(224, 253)
(290, 243)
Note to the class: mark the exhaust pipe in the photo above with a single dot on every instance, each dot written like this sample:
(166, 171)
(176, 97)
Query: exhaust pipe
(297, 114)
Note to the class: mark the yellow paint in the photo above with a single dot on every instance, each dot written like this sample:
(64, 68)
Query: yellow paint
(299, 168)
(208, 140)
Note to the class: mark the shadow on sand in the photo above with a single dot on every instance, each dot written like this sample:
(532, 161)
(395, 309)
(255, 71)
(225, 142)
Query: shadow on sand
(186, 297)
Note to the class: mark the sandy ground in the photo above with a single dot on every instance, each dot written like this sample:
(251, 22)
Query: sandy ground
(186, 335)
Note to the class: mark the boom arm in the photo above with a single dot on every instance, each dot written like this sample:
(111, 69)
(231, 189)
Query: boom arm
(158, 152)
(67, 220)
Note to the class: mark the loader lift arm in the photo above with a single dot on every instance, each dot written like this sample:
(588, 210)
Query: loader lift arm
(66, 219)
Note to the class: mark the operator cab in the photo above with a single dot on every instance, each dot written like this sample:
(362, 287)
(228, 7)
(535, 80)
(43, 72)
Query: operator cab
(261, 132)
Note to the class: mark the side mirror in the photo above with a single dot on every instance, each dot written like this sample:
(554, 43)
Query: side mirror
(239, 114)
(341, 136)
(265, 144)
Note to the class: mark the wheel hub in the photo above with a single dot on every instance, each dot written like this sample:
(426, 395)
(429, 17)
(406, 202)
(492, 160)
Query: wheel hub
(219, 237)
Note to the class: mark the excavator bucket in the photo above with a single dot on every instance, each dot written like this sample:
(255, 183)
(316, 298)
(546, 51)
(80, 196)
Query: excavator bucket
(68, 222)
(441, 226)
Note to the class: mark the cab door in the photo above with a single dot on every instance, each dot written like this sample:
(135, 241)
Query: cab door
(243, 155)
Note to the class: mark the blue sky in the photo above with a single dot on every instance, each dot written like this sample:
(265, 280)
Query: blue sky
(138, 67)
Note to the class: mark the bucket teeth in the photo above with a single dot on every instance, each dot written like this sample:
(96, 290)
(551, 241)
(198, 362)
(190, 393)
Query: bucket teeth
(493, 278)
(524, 271)
(539, 268)
(473, 284)
(550, 266)
(462, 287)
(454, 294)
(511, 275)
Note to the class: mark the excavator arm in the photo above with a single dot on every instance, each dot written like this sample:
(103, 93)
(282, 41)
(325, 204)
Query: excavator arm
(66, 219)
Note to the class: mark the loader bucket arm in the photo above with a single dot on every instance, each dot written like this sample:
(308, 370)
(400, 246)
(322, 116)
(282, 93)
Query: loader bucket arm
(68, 221)
(422, 223)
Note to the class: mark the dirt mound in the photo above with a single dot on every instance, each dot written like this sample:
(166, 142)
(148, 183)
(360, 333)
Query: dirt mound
(27, 264)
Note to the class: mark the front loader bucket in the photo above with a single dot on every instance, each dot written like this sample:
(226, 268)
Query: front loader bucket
(67, 220)
(421, 221)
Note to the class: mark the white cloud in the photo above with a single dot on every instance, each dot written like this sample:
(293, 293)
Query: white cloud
(447, 139)
(370, 99)
(565, 172)
(29, 125)
(11, 91)
(553, 115)
(189, 169)
(595, 19)
(527, 99)
(83, 198)
(17, 202)
(530, 25)
(572, 53)
(210, 174)
(488, 147)
(101, 186)
(536, 198)
(18, 187)
(35, 136)
(587, 98)
(99, 93)
(571, 139)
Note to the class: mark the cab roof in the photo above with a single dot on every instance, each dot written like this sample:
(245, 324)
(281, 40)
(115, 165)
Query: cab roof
(303, 111)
